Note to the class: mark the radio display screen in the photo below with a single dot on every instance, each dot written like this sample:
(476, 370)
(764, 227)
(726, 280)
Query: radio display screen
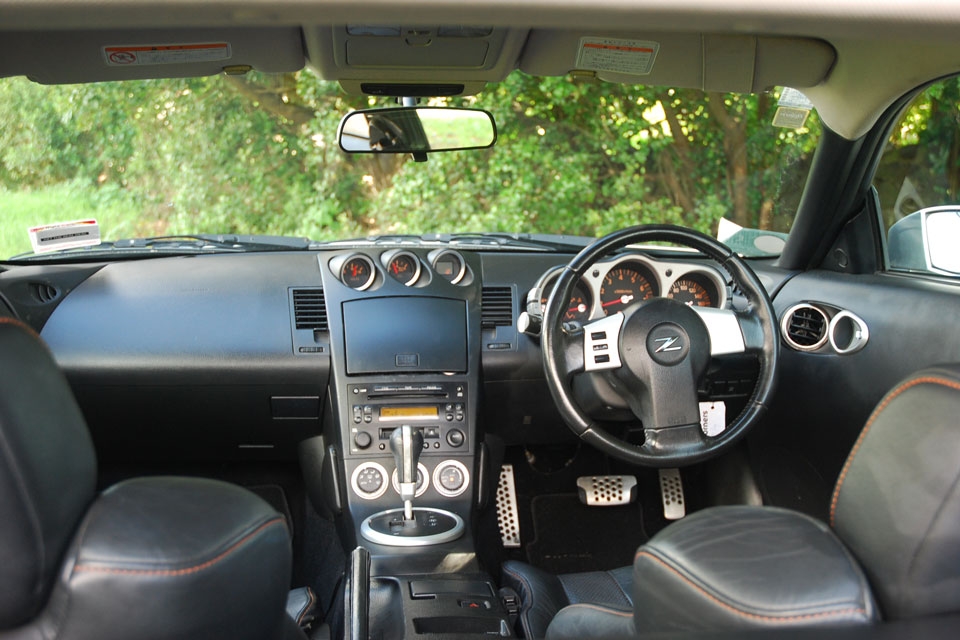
(409, 413)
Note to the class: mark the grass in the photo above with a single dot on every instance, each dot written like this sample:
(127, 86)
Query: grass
(20, 210)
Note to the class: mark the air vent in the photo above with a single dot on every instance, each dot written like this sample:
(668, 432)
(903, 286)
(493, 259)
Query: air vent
(804, 327)
(309, 309)
(44, 292)
(496, 307)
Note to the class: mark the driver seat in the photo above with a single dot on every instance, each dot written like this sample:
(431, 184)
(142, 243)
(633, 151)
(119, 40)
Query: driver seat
(892, 549)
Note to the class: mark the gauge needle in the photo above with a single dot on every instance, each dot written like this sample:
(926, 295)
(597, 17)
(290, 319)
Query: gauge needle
(579, 308)
(624, 299)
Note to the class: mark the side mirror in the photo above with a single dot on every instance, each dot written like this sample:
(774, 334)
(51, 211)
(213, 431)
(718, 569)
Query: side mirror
(416, 130)
(927, 241)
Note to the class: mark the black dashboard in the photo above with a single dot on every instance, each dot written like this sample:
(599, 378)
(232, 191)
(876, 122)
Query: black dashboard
(237, 355)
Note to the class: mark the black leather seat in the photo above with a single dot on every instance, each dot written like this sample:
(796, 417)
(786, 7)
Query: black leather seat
(148, 558)
(893, 551)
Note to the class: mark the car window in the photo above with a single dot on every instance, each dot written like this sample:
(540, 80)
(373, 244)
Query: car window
(259, 155)
(918, 183)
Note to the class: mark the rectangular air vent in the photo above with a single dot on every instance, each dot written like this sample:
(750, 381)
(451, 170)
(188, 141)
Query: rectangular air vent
(309, 309)
(496, 307)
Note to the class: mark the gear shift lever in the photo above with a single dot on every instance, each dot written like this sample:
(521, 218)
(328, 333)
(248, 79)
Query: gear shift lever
(406, 443)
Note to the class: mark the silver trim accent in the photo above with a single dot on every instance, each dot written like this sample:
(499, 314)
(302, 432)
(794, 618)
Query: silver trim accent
(608, 345)
(508, 517)
(463, 265)
(861, 333)
(723, 326)
(443, 490)
(356, 487)
(607, 491)
(671, 493)
(785, 323)
(395, 480)
(373, 271)
(423, 541)
(390, 256)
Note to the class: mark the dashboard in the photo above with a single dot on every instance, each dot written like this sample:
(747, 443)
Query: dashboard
(612, 285)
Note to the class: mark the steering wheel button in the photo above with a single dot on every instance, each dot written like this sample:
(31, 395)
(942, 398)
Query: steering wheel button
(601, 347)
(598, 335)
(601, 359)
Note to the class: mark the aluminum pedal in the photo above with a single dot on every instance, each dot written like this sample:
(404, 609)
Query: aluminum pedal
(671, 491)
(508, 518)
(607, 491)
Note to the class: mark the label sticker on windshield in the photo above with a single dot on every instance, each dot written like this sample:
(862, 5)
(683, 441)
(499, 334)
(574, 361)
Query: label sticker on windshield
(620, 56)
(64, 235)
(792, 109)
(713, 418)
(146, 54)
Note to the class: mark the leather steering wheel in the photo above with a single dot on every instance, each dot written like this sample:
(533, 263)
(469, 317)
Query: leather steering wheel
(654, 353)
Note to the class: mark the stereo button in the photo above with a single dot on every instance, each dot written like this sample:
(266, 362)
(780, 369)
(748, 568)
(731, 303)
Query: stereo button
(455, 437)
(363, 440)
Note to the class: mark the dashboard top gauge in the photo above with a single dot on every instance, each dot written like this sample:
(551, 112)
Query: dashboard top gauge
(357, 272)
(404, 267)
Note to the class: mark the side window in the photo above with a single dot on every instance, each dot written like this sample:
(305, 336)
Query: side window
(918, 182)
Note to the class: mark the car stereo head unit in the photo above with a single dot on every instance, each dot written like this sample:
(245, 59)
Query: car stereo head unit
(438, 409)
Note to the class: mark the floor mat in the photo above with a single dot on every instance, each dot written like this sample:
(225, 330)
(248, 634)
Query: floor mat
(571, 537)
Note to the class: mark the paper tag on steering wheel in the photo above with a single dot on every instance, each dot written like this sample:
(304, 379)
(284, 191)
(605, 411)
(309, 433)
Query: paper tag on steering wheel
(713, 418)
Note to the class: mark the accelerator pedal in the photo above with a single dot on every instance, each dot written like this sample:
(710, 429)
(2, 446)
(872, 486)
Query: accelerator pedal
(671, 491)
(508, 518)
(607, 491)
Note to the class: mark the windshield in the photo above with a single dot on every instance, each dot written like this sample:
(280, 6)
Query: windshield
(259, 155)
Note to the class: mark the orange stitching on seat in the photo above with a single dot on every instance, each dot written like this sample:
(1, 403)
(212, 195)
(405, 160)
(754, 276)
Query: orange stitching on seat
(180, 572)
(622, 614)
(747, 614)
(876, 413)
(18, 323)
(310, 600)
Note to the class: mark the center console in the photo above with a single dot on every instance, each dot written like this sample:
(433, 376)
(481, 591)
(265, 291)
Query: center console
(401, 428)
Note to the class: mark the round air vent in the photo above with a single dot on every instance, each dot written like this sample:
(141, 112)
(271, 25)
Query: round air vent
(804, 327)
(44, 292)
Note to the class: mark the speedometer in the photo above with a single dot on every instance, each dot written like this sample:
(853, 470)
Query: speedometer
(623, 285)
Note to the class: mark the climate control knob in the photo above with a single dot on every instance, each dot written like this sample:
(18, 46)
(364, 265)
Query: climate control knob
(451, 478)
(369, 480)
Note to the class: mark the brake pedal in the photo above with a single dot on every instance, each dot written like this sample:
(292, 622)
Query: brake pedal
(607, 491)
(671, 491)
(508, 518)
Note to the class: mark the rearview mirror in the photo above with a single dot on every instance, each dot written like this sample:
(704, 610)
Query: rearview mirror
(416, 130)
(927, 241)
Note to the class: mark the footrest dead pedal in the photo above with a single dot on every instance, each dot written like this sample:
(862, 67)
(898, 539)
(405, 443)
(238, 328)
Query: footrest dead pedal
(671, 491)
(508, 518)
(607, 491)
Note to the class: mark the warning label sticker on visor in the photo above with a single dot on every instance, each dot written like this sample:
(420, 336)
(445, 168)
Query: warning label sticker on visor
(635, 57)
(143, 54)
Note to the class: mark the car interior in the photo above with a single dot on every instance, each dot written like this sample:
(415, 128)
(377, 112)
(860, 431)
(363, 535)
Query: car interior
(652, 433)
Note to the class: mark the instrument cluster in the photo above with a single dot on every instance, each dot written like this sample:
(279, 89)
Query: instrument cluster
(612, 285)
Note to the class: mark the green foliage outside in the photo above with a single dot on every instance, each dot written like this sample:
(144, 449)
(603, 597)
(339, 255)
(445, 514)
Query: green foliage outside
(921, 164)
(259, 155)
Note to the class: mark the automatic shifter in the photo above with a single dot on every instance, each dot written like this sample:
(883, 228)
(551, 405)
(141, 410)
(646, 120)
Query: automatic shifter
(406, 443)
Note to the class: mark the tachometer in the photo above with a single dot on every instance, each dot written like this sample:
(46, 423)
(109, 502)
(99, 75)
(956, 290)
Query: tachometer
(578, 306)
(623, 285)
(404, 267)
(690, 292)
(357, 272)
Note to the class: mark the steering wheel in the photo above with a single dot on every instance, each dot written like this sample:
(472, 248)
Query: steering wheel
(654, 353)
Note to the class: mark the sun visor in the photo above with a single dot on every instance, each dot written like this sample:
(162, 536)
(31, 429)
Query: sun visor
(728, 63)
(68, 57)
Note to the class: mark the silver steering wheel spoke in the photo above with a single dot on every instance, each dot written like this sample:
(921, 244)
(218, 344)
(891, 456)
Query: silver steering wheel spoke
(601, 343)
(725, 330)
